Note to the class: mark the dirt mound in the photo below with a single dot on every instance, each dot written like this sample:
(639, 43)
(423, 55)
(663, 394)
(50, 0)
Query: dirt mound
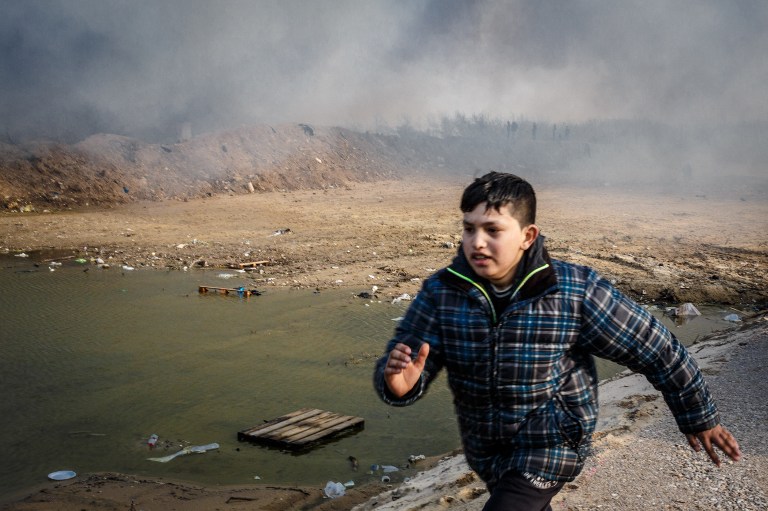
(110, 169)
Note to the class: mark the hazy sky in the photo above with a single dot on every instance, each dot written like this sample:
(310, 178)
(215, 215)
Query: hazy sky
(131, 65)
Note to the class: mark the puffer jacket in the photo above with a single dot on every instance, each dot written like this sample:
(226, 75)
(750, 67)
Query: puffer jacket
(524, 381)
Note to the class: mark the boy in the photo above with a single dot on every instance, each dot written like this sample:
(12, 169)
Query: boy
(516, 332)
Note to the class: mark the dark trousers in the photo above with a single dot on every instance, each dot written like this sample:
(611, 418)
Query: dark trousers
(518, 492)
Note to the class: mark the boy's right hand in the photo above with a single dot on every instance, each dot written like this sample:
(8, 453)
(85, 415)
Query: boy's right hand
(401, 373)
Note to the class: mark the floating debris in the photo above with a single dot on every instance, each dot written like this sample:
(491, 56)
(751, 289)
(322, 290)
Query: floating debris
(198, 449)
(686, 309)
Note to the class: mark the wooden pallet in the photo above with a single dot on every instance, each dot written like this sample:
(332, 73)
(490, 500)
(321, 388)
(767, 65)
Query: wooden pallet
(252, 264)
(228, 290)
(300, 429)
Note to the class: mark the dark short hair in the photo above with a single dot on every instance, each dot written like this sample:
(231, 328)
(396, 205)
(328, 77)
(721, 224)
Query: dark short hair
(498, 189)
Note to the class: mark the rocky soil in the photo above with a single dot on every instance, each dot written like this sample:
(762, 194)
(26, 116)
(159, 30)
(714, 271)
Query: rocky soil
(662, 248)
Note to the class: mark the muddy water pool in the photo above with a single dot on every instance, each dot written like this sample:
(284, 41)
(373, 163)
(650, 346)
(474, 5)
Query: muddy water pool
(94, 362)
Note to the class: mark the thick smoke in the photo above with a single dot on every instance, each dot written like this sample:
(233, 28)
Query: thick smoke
(70, 68)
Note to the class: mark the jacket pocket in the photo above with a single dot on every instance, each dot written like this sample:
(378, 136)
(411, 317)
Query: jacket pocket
(550, 425)
(569, 424)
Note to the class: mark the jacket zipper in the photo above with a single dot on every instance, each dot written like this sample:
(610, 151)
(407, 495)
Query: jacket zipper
(494, 334)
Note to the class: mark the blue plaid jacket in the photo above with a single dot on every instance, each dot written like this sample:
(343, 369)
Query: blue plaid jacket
(523, 379)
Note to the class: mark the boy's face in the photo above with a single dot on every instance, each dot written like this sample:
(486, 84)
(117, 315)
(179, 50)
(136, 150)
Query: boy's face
(494, 243)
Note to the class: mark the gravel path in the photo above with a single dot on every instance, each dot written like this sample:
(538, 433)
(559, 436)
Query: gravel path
(656, 469)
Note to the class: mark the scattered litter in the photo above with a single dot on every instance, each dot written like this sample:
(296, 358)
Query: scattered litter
(152, 441)
(333, 490)
(61, 475)
(85, 434)
(54, 263)
(349, 484)
(249, 265)
(389, 468)
(369, 294)
(226, 275)
(399, 318)
(385, 479)
(404, 296)
(280, 232)
(732, 317)
(80, 260)
(127, 268)
(257, 478)
(238, 291)
(686, 309)
(416, 457)
(187, 450)
(22, 255)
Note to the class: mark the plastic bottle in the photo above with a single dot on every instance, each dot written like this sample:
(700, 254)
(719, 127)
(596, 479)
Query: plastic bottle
(152, 441)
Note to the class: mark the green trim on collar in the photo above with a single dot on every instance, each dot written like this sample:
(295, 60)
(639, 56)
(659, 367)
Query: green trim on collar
(478, 286)
(485, 293)
(527, 277)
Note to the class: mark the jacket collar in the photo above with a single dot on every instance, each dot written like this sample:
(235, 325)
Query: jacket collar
(534, 275)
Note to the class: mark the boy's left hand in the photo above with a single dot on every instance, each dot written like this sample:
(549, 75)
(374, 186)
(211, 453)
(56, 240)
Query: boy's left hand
(718, 436)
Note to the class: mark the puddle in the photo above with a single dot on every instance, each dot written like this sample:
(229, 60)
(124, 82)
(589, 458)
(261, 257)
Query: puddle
(96, 361)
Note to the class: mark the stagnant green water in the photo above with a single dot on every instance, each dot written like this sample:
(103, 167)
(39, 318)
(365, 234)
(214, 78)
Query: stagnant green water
(94, 362)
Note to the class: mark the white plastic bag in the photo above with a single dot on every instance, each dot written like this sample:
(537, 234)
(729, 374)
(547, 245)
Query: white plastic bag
(333, 490)
(688, 309)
